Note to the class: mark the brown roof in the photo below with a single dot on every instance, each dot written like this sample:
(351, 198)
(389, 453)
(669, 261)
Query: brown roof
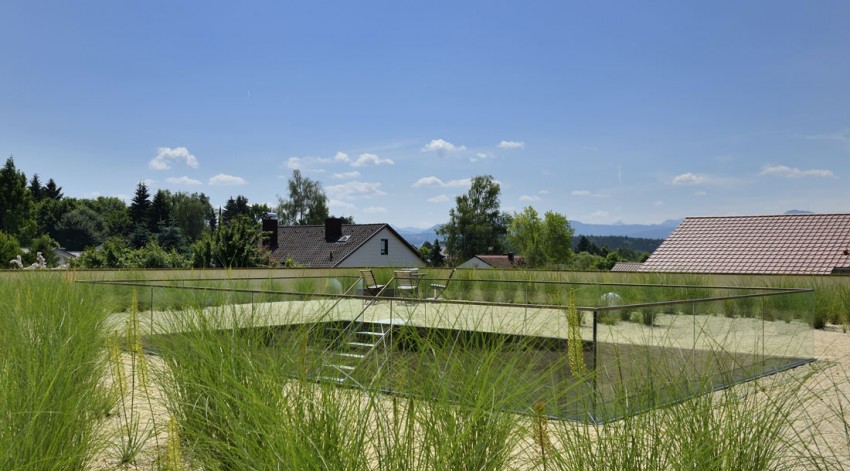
(502, 261)
(626, 266)
(306, 245)
(782, 244)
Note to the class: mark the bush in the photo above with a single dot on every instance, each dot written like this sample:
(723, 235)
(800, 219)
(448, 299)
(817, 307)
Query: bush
(9, 248)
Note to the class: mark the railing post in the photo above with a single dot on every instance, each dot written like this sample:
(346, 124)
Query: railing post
(595, 351)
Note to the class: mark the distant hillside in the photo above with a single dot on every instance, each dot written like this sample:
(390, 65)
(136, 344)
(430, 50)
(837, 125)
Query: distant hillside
(646, 231)
(654, 232)
(418, 236)
(638, 244)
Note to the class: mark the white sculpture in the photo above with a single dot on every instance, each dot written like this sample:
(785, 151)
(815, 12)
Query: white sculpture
(42, 263)
(16, 262)
(612, 299)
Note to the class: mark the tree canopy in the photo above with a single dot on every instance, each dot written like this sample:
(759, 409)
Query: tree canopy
(307, 203)
(476, 224)
(543, 242)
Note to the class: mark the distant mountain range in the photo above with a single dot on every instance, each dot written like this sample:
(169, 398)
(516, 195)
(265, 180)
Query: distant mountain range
(417, 236)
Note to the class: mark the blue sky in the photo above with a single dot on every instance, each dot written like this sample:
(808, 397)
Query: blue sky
(603, 111)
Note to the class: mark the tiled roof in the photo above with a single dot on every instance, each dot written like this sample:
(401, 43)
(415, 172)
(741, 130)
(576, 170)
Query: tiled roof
(502, 261)
(306, 245)
(782, 244)
(626, 266)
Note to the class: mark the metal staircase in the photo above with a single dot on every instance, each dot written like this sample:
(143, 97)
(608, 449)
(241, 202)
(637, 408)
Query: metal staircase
(352, 348)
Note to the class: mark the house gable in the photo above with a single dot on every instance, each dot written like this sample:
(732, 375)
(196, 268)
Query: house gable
(308, 246)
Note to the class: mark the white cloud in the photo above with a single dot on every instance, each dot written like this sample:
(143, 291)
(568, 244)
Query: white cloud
(183, 181)
(226, 180)
(340, 206)
(149, 182)
(375, 210)
(436, 182)
(583, 193)
(511, 145)
(355, 189)
(442, 147)
(165, 156)
(700, 193)
(543, 192)
(439, 199)
(529, 198)
(658, 204)
(600, 214)
(346, 175)
(481, 156)
(342, 157)
(370, 159)
(843, 136)
(689, 179)
(294, 163)
(793, 172)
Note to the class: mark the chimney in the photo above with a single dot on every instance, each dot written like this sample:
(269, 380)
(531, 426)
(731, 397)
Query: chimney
(270, 226)
(333, 229)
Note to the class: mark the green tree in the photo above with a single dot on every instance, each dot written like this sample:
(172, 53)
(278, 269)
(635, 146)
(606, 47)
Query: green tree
(48, 212)
(51, 190)
(171, 237)
(476, 224)
(113, 211)
(16, 204)
(234, 208)
(436, 257)
(80, 228)
(307, 203)
(140, 207)
(112, 254)
(526, 235)
(9, 249)
(557, 238)
(233, 245)
(36, 190)
(193, 214)
(160, 210)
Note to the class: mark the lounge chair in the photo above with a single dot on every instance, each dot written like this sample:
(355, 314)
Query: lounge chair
(407, 283)
(439, 288)
(370, 286)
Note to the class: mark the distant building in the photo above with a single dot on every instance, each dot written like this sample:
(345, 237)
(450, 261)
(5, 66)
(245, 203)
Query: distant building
(626, 266)
(494, 261)
(782, 244)
(340, 245)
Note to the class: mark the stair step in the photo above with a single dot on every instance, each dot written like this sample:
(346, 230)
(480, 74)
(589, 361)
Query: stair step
(349, 355)
(362, 344)
(331, 379)
(371, 333)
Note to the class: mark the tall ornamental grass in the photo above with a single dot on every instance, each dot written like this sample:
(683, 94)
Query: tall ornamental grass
(51, 367)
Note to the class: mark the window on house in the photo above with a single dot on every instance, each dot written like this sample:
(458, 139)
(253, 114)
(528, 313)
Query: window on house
(385, 246)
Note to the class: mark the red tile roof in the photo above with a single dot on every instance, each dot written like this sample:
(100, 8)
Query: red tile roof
(502, 261)
(782, 244)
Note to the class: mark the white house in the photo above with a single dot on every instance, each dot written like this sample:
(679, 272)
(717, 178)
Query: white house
(340, 245)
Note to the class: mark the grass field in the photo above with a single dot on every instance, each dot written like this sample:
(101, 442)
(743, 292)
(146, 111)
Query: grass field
(220, 398)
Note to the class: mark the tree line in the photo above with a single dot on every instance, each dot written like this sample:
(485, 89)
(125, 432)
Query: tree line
(182, 230)
(159, 230)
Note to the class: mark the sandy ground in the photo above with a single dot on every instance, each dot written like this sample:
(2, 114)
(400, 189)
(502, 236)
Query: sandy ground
(819, 424)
